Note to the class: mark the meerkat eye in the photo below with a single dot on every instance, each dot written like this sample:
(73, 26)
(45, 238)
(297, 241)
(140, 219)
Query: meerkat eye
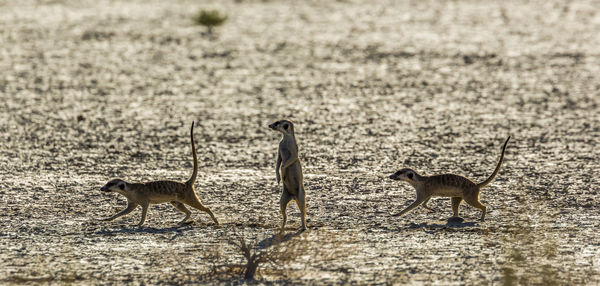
(121, 186)
(410, 175)
(285, 126)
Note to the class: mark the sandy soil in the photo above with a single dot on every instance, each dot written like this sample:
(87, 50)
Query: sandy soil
(91, 90)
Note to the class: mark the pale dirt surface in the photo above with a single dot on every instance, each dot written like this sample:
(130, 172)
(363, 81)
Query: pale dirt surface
(91, 90)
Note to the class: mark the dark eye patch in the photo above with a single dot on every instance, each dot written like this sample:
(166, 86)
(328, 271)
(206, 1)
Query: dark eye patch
(285, 126)
(410, 175)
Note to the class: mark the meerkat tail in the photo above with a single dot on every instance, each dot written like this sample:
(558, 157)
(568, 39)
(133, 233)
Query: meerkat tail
(192, 179)
(489, 180)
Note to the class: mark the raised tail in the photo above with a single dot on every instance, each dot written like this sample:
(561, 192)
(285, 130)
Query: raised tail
(491, 178)
(192, 179)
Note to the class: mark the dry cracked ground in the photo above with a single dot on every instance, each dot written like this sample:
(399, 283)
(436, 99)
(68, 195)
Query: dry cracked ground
(91, 90)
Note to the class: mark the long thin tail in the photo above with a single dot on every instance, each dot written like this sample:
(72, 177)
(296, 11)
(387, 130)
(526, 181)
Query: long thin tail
(491, 178)
(192, 179)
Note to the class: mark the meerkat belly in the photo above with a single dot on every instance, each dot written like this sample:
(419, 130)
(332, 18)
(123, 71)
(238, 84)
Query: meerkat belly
(163, 197)
(447, 191)
(160, 200)
(292, 178)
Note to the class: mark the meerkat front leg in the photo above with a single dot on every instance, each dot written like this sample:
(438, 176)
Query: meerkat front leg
(289, 162)
(424, 204)
(277, 165)
(455, 205)
(420, 199)
(301, 202)
(130, 207)
(144, 211)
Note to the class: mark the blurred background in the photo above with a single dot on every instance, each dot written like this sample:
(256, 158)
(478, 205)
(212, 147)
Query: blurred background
(91, 90)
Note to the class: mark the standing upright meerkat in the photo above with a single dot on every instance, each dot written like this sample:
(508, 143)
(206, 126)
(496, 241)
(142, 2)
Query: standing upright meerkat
(456, 187)
(291, 170)
(144, 194)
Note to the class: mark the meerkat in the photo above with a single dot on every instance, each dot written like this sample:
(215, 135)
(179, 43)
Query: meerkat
(291, 171)
(143, 194)
(458, 188)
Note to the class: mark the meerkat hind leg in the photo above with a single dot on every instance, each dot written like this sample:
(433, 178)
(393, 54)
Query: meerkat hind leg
(455, 205)
(301, 202)
(195, 203)
(181, 207)
(455, 208)
(283, 202)
(477, 204)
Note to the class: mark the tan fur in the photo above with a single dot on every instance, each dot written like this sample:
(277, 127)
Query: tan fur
(143, 194)
(291, 170)
(449, 185)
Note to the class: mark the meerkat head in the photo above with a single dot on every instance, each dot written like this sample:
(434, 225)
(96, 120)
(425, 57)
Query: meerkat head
(286, 127)
(405, 174)
(114, 185)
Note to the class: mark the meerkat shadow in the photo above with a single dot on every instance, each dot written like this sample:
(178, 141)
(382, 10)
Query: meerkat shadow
(177, 230)
(454, 222)
(458, 222)
(277, 239)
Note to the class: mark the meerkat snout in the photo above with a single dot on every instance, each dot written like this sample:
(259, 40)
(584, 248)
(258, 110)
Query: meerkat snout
(113, 186)
(283, 126)
(403, 175)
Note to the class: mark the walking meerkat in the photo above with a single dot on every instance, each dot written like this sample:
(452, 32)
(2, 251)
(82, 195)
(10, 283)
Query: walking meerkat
(456, 187)
(291, 170)
(143, 194)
